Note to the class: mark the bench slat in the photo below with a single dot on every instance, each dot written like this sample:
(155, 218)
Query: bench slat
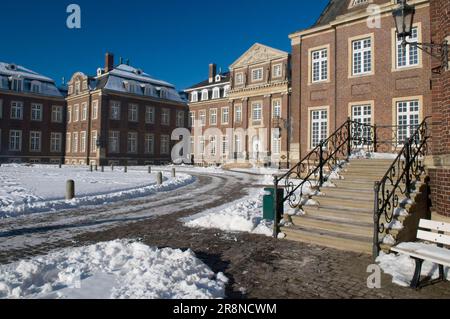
(433, 225)
(433, 237)
(421, 254)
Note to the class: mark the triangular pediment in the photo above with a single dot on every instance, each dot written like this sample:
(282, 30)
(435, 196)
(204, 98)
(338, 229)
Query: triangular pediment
(258, 53)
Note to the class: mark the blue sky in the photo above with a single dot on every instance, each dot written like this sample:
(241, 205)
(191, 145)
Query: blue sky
(174, 40)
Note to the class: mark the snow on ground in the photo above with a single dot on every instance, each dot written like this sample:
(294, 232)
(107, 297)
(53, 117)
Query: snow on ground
(401, 267)
(119, 270)
(244, 215)
(37, 188)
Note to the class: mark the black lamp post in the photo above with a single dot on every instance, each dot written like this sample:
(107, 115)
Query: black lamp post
(404, 20)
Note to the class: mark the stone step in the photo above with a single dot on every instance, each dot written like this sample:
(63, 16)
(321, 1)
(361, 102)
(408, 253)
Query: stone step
(330, 239)
(340, 215)
(372, 161)
(354, 184)
(340, 208)
(366, 194)
(364, 173)
(347, 228)
(356, 202)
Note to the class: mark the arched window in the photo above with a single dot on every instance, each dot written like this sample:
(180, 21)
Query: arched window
(148, 90)
(163, 93)
(216, 93)
(35, 87)
(194, 96)
(16, 84)
(205, 95)
(226, 90)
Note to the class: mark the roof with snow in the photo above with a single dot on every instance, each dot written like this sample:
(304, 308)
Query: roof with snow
(10, 71)
(123, 76)
(224, 79)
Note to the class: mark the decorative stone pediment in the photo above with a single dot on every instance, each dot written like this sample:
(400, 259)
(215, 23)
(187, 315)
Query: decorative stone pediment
(258, 53)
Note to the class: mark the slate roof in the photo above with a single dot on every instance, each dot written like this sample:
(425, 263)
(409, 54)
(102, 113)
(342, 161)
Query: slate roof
(225, 80)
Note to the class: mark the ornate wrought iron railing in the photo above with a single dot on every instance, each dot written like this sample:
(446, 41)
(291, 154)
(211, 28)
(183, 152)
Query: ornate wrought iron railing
(400, 179)
(310, 172)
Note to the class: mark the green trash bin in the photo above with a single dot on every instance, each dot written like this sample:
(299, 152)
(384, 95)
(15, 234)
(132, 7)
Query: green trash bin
(268, 201)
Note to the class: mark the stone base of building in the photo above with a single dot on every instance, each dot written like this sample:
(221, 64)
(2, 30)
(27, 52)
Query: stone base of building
(116, 161)
(32, 160)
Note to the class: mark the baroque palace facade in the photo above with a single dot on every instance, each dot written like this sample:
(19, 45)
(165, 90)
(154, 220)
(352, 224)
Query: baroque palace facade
(242, 116)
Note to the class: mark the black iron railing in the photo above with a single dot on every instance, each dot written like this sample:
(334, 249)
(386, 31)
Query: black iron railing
(313, 170)
(400, 180)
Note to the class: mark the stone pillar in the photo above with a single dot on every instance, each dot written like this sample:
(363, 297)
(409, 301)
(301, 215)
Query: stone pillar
(438, 163)
(70, 190)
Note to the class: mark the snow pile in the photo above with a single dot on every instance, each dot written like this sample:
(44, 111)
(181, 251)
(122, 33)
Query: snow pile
(401, 267)
(362, 154)
(244, 215)
(21, 190)
(117, 269)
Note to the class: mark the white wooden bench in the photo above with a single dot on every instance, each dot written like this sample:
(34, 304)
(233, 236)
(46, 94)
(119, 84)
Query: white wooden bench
(429, 232)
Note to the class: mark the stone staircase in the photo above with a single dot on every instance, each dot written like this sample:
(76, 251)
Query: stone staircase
(343, 215)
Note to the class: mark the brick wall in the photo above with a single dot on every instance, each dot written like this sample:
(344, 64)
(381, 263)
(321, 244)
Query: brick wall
(440, 169)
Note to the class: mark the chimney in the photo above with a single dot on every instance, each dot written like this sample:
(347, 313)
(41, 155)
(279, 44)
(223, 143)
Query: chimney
(109, 62)
(212, 72)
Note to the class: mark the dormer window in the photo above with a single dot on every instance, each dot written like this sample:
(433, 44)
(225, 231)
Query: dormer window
(226, 90)
(148, 90)
(17, 84)
(205, 95)
(218, 78)
(239, 78)
(163, 93)
(77, 87)
(35, 87)
(216, 93)
(194, 96)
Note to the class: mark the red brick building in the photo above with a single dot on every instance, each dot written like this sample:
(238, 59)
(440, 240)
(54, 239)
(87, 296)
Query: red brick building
(121, 116)
(247, 108)
(32, 117)
(439, 162)
(351, 64)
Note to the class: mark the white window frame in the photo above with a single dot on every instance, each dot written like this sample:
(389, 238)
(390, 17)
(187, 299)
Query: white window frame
(213, 145)
(149, 114)
(276, 108)
(94, 138)
(180, 119)
(239, 78)
(165, 145)
(83, 142)
(149, 143)
(57, 114)
(225, 146)
(16, 84)
(225, 115)
(319, 65)
(114, 142)
(226, 90)
(76, 113)
(75, 142)
(68, 142)
(238, 114)
(257, 112)
(359, 54)
(257, 74)
(276, 143)
(205, 95)
(36, 112)
(69, 114)
(362, 113)
(213, 117)
(55, 142)
(133, 112)
(95, 109)
(84, 111)
(115, 111)
(35, 87)
(165, 117)
(132, 143)
(216, 93)
(408, 119)
(17, 142)
(409, 53)
(277, 74)
(191, 118)
(202, 117)
(16, 110)
(194, 96)
(321, 133)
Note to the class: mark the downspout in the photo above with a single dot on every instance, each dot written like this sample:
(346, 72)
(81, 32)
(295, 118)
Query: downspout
(88, 133)
(335, 78)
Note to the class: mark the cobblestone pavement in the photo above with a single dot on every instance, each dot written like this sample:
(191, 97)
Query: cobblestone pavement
(257, 266)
